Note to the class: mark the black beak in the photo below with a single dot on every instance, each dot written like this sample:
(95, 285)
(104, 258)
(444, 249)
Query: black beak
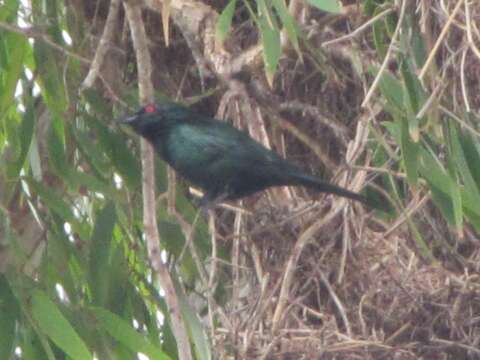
(128, 119)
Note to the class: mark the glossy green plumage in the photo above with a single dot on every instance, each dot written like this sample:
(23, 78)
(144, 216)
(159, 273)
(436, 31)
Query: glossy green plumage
(220, 159)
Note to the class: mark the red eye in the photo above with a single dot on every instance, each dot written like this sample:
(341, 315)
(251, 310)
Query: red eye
(150, 109)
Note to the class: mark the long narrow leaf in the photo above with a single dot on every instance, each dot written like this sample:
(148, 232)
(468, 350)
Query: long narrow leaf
(125, 334)
(8, 315)
(54, 324)
(331, 6)
(100, 253)
(271, 48)
(224, 21)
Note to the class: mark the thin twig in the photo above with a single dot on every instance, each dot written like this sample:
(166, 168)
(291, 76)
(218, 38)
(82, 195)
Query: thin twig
(360, 29)
(315, 146)
(407, 214)
(345, 246)
(339, 129)
(34, 34)
(337, 302)
(213, 272)
(469, 24)
(103, 45)
(460, 121)
(304, 239)
(237, 225)
(187, 230)
(435, 95)
(456, 344)
(432, 54)
(463, 82)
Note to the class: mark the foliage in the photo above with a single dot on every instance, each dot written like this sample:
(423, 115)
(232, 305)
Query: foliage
(75, 279)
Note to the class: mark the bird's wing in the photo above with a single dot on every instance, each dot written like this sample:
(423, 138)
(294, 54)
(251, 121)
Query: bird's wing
(201, 143)
(223, 142)
(201, 150)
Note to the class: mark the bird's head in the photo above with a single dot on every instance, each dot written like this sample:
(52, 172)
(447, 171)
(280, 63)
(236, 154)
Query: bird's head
(155, 118)
(144, 120)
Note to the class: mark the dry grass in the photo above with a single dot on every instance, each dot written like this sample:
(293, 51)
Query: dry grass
(357, 287)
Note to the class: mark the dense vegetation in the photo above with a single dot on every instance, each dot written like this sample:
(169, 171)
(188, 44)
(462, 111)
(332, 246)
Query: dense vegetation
(375, 95)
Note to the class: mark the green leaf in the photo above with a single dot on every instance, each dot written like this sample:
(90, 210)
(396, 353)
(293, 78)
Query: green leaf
(195, 328)
(123, 332)
(378, 29)
(78, 179)
(413, 87)
(416, 97)
(417, 236)
(56, 150)
(8, 316)
(26, 130)
(35, 346)
(463, 168)
(124, 162)
(119, 275)
(410, 152)
(99, 273)
(445, 191)
(16, 46)
(95, 157)
(12, 137)
(331, 6)
(61, 253)
(470, 148)
(392, 90)
(289, 24)
(52, 200)
(8, 10)
(52, 322)
(456, 198)
(418, 46)
(50, 78)
(224, 21)
(271, 48)
(369, 6)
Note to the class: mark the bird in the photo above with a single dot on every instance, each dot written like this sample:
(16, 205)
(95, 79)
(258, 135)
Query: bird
(223, 161)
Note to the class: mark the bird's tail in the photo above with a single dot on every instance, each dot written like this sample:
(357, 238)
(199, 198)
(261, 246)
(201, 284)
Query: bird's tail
(314, 182)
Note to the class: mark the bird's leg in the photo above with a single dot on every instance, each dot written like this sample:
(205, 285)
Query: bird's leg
(210, 201)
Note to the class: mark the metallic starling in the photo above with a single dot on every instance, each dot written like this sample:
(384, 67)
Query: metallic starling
(226, 163)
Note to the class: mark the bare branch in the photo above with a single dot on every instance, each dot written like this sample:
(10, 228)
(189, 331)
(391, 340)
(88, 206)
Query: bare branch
(144, 65)
(103, 45)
